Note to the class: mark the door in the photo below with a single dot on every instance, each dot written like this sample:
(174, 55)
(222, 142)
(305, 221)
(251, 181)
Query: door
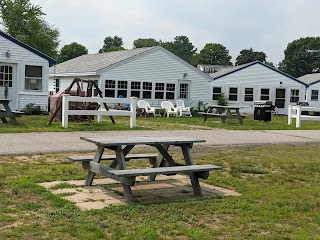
(8, 83)
(184, 92)
(280, 100)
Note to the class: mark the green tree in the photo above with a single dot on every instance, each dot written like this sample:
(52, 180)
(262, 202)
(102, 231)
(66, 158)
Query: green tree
(301, 56)
(112, 44)
(145, 42)
(24, 21)
(248, 55)
(213, 53)
(270, 64)
(70, 51)
(181, 47)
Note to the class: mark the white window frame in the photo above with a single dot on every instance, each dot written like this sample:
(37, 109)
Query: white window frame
(216, 94)
(248, 94)
(31, 83)
(264, 95)
(312, 97)
(6, 76)
(294, 95)
(184, 90)
(233, 94)
(110, 88)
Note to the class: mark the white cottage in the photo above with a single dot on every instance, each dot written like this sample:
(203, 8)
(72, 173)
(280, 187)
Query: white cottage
(153, 74)
(256, 81)
(312, 94)
(25, 71)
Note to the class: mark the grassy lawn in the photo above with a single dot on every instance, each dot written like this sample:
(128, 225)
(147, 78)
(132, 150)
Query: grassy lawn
(39, 124)
(280, 187)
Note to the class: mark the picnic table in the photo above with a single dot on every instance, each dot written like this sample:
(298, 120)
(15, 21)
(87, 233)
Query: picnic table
(162, 162)
(8, 113)
(223, 112)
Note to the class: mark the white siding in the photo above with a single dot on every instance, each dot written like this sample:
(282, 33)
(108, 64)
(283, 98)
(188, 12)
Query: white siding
(41, 100)
(66, 81)
(21, 57)
(18, 53)
(159, 66)
(258, 76)
(313, 103)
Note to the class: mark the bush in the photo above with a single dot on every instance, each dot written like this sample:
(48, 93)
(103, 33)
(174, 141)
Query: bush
(222, 100)
(32, 109)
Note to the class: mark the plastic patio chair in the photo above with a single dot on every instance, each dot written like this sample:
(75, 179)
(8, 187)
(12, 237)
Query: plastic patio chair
(148, 109)
(182, 110)
(169, 107)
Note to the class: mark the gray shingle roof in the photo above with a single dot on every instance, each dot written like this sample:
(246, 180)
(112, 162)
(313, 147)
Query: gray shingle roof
(228, 70)
(94, 62)
(310, 78)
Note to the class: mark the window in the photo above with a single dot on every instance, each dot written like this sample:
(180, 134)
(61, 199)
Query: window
(135, 89)
(159, 91)
(57, 83)
(233, 94)
(184, 89)
(147, 90)
(294, 97)
(248, 94)
(170, 90)
(33, 80)
(264, 94)
(110, 90)
(314, 95)
(5, 76)
(216, 91)
(122, 88)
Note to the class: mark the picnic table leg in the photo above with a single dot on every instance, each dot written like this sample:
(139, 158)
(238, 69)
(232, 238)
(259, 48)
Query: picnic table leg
(239, 116)
(223, 119)
(4, 120)
(193, 177)
(158, 162)
(10, 114)
(122, 165)
(96, 159)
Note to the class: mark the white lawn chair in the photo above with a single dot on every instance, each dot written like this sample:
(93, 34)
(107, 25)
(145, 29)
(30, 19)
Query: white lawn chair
(170, 109)
(148, 109)
(182, 110)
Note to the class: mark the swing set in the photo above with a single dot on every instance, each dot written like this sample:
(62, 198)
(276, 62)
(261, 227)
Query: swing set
(56, 100)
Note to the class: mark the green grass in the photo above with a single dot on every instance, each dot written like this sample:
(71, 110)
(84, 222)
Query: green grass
(280, 187)
(39, 124)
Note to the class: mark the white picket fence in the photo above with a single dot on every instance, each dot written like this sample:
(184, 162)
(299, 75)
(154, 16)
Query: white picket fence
(66, 98)
(294, 111)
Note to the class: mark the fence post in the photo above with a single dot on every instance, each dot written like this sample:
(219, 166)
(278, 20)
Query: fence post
(289, 114)
(101, 108)
(65, 108)
(133, 108)
(298, 119)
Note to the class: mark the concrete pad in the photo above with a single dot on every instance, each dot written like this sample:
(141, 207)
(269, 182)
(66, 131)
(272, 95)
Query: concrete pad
(105, 192)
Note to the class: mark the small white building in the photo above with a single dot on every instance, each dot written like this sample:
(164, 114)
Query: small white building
(312, 94)
(25, 71)
(256, 81)
(153, 74)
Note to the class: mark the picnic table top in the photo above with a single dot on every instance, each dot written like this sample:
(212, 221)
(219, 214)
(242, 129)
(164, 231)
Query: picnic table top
(4, 100)
(220, 106)
(116, 141)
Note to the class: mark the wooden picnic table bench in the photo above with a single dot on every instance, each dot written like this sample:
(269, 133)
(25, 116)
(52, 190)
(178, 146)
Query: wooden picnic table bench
(223, 112)
(162, 162)
(8, 113)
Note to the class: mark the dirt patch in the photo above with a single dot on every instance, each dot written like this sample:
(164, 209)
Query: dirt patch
(105, 192)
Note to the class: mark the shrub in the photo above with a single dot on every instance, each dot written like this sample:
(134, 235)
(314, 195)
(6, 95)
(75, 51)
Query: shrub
(32, 109)
(222, 100)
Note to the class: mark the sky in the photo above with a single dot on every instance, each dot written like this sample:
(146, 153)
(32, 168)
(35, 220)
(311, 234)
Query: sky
(264, 25)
